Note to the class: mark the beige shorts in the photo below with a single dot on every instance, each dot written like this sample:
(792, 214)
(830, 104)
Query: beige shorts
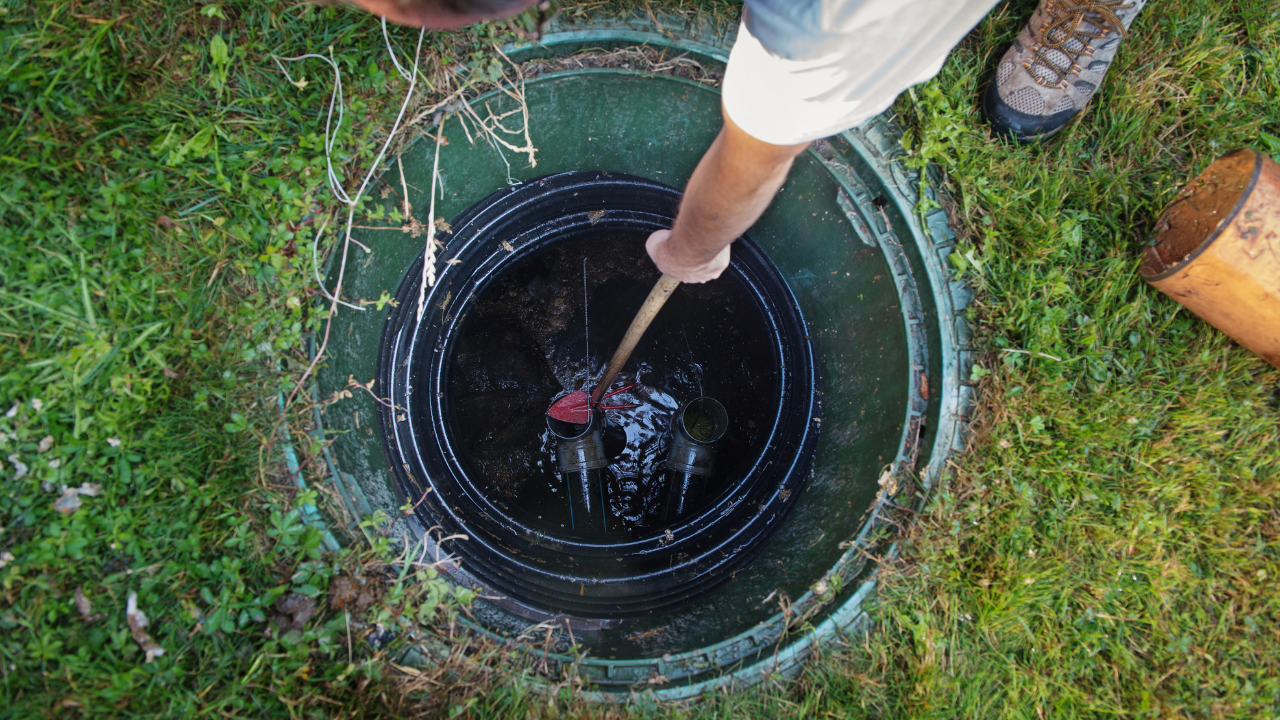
(893, 44)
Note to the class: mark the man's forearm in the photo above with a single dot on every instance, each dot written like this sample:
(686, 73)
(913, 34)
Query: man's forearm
(731, 187)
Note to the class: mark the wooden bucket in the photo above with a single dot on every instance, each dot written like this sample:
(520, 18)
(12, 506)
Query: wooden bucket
(1216, 250)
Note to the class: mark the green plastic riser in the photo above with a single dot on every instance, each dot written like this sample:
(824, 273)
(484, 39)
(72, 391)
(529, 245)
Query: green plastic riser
(870, 278)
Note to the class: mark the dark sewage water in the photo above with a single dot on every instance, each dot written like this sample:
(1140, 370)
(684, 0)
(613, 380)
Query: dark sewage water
(550, 324)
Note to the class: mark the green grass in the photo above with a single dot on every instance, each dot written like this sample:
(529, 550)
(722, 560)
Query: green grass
(159, 180)
(1107, 546)
(1110, 543)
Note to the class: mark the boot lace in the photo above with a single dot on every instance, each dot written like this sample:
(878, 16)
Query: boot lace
(1070, 34)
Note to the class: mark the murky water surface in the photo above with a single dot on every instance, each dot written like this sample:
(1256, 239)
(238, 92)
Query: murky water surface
(529, 341)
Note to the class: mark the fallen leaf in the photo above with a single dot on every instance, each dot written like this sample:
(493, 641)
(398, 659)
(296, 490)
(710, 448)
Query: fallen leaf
(342, 591)
(164, 222)
(19, 470)
(170, 374)
(888, 483)
(294, 611)
(407, 670)
(353, 593)
(83, 605)
(443, 226)
(45, 443)
(413, 227)
(69, 502)
(85, 608)
(138, 628)
(646, 634)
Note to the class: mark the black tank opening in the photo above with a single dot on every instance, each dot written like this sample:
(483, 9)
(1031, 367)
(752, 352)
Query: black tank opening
(503, 334)
(529, 341)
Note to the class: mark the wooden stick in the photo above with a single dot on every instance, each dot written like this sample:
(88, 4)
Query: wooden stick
(652, 304)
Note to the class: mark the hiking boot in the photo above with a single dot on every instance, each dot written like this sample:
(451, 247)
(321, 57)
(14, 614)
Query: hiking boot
(1055, 66)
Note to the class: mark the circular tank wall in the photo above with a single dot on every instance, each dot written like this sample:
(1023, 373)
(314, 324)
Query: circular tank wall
(469, 381)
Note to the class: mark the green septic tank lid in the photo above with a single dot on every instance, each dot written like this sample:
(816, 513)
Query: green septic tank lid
(868, 268)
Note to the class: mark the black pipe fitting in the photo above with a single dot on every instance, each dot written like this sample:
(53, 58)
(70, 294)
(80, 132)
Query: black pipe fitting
(581, 460)
(695, 428)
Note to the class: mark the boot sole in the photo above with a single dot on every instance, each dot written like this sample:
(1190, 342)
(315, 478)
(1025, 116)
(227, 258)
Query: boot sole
(1025, 129)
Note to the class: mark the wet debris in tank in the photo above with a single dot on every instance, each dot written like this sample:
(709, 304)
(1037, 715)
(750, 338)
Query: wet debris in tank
(527, 341)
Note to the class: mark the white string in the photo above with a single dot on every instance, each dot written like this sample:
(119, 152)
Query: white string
(331, 137)
(387, 39)
(315, 264)
(351, 202)
(330, 129)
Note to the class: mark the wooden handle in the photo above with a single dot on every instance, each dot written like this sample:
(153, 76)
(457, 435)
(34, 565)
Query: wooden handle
(652, 304)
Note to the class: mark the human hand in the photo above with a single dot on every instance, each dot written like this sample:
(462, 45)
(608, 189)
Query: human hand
(681, 264)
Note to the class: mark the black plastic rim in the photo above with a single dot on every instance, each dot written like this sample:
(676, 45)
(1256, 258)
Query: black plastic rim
(561, 573)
